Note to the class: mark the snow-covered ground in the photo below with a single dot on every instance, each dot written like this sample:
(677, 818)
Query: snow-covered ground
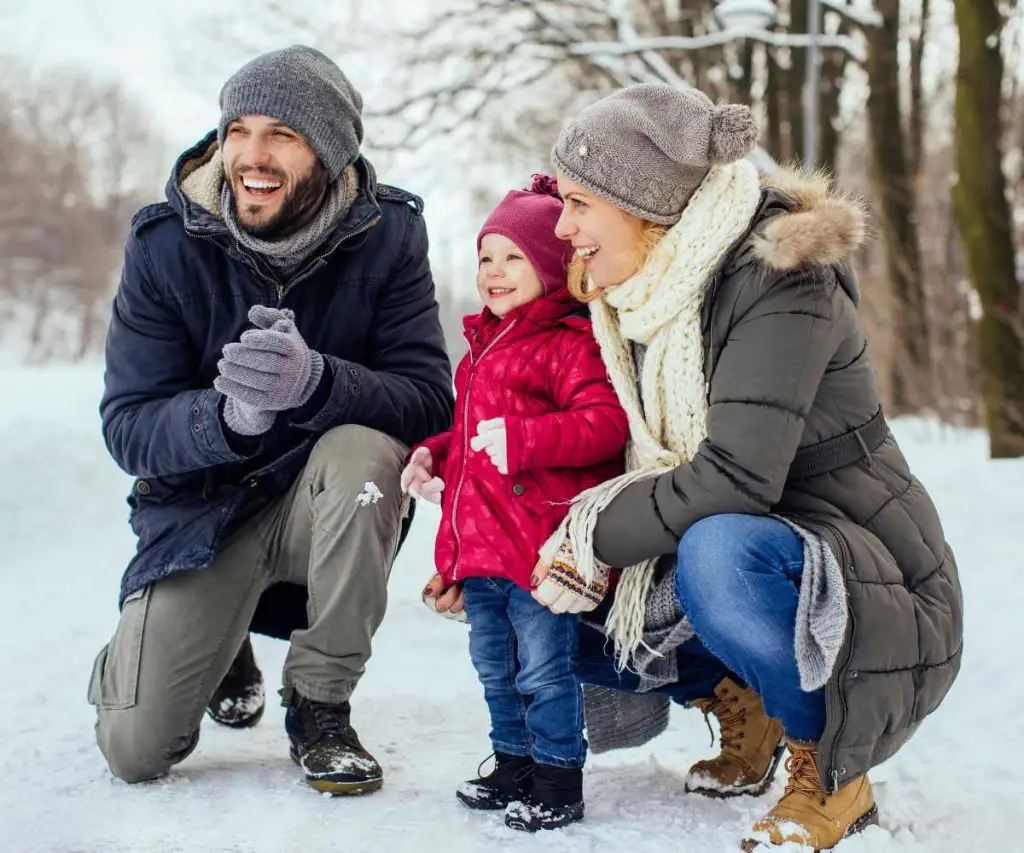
(64, 544)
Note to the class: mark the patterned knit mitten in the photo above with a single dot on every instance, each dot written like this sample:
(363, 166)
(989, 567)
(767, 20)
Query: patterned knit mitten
(564, 590)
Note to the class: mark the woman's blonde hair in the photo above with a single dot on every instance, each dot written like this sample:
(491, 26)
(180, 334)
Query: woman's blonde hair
(649, 237)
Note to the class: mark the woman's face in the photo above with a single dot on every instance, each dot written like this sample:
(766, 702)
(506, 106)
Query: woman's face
(604, 237)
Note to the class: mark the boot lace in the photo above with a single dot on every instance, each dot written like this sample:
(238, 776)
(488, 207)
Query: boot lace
(803, 776)
(334, 720)
(517, 777)
(730, 720)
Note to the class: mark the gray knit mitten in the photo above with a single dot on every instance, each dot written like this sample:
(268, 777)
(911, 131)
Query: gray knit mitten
(244, 419)
(270, 368)
(241, 418)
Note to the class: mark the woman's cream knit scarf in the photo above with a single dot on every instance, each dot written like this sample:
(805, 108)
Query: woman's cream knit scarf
(660, 308)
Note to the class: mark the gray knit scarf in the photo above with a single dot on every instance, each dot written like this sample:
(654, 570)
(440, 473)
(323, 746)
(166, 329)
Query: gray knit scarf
(289, 253)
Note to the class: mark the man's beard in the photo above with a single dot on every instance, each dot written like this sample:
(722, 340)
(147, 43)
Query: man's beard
(298, 209)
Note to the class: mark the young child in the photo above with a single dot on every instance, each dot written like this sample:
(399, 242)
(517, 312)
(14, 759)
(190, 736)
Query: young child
(536, 423)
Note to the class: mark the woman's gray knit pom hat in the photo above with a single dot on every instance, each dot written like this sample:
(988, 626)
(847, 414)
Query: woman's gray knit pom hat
(647, 148)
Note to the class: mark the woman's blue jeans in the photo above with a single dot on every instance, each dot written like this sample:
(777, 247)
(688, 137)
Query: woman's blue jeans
(738, 580)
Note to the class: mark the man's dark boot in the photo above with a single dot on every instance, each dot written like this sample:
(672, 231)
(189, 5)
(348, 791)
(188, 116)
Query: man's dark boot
(511, 779)
(555, 801)
(327, 748)
(239, 699)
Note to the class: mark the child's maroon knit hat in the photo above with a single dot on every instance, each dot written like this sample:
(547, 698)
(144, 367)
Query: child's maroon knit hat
(528, 218)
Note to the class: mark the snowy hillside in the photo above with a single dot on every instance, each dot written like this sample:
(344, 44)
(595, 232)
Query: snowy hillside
(65, 543)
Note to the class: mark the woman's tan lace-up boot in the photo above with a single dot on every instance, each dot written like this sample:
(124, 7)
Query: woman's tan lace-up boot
(751, 745)
(806, 814)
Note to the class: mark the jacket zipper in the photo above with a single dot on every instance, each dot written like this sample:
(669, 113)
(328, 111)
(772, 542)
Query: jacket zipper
(283, 289)
(473, 362)
(832, 773)
(248, 262)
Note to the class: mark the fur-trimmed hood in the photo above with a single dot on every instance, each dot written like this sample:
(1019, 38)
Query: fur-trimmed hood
(803, 221)
(823, 226)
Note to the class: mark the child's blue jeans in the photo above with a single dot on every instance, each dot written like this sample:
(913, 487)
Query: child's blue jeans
(525, 656)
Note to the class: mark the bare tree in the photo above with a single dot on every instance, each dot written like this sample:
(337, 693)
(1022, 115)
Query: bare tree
(895, 189)
(984, 219)
(79, 160)
(916, 122)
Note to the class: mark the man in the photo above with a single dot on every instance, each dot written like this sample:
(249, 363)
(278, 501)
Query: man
(275, 347)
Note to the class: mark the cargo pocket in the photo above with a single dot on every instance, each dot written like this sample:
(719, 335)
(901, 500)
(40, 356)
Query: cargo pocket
(114, 683)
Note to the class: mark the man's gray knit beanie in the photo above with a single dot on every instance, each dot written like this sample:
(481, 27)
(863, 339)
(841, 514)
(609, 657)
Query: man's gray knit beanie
(647, 148)
(305, 90)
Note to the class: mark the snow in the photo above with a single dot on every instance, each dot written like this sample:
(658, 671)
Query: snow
(954, 787)
(370, 494)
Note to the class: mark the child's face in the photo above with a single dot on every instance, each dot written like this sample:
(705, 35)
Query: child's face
(504, 278)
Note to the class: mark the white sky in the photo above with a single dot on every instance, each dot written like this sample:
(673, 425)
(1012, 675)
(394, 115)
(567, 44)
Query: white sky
(139, 43)
(167, 53)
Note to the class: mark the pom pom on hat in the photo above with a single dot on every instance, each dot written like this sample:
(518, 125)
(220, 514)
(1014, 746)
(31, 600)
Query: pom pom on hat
(544, 185)
(733, 133)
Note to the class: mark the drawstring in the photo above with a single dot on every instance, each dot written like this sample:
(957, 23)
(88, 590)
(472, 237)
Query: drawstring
(208, 484)
(863, 446)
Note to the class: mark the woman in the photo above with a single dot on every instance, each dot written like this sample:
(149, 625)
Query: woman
(781, 567)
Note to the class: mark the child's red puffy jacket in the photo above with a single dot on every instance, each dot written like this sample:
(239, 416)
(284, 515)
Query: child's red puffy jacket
(540, 369)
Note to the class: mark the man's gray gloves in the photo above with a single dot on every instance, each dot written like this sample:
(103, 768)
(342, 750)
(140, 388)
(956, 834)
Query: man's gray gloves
(270, 369)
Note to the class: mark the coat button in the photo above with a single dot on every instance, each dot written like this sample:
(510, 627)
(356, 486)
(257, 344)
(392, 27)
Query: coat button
(142, 487)
(253, 482)
(382, 190)
(195, 410)
(518, 489)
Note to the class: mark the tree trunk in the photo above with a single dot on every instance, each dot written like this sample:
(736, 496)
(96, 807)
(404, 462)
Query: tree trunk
(773, 107)
(983, 216)
(915, 127)
(747, 63)
(833, 67)
(795, 77)
(894, 187)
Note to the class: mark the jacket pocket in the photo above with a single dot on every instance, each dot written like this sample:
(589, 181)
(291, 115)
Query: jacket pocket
(555, 492)
(114, 684)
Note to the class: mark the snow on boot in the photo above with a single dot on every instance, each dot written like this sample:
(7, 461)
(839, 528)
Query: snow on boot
(751, 745)
(806, 814)
(327, 748)
(510, 780)
(555, 801)
(239, 699)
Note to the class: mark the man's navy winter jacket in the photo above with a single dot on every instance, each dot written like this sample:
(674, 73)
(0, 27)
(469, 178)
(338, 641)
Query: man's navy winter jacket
(366, 302)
